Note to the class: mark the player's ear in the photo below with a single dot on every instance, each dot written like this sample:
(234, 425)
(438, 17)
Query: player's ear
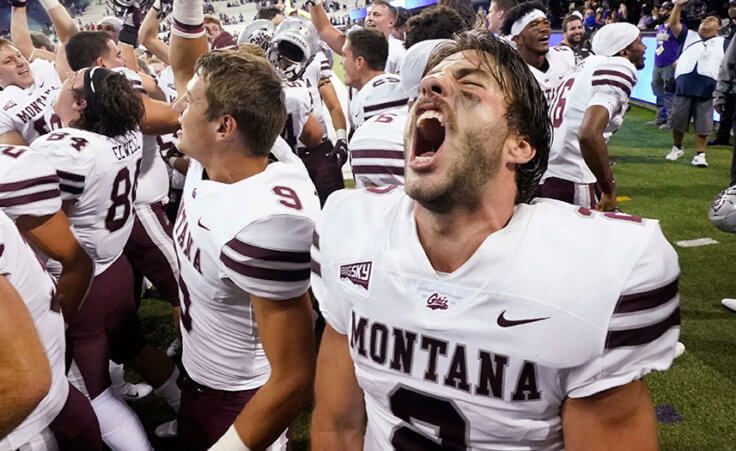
(227, 127)
(79, 104)
(99, 61)
(517, 149)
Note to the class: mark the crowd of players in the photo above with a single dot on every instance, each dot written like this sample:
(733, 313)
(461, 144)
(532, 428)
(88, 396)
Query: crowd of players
(479, 162)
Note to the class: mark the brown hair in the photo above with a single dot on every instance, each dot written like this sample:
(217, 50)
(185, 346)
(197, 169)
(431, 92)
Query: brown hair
(391, 8)
(120, 108)
(5, 43)
(371, 44)
(209, 18)
(247, 88)
(569, 18)
(526, 107)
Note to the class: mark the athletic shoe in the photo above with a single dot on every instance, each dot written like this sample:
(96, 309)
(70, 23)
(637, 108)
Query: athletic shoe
(665, 126)
(174, 349)
(675, 153)
(679, 350)
(654, 123)
(132, 392)
(166, 430)
(699, 160)
(729, 303)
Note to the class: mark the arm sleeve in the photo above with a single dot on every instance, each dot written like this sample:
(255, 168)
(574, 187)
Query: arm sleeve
(643, 329)
(269, 258)
(71, 166)
(30, 187)
(612, 85)
(325, 71)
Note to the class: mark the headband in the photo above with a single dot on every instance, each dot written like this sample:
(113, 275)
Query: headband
(519, 25)
(93, 79)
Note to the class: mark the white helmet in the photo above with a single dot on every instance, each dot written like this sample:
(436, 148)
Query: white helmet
(294, 44)
(258, 32)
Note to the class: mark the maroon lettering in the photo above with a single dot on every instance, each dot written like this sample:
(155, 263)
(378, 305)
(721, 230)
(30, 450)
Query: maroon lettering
(526, 386)
(433, 346)
(403, 350)
(490, 376)
(358, 335)
(457, 375)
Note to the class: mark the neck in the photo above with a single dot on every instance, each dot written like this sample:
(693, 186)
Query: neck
(232, 165)
(532, 58)
(450, 239)
(367, 76)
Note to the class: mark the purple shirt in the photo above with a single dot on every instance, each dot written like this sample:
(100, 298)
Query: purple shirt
(667, 46)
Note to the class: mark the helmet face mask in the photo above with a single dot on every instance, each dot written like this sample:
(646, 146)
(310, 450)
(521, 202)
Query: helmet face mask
(293, 47)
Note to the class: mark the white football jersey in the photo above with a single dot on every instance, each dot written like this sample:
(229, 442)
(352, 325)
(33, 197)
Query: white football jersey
(34, 285)
(318, 69)
(99, 175)
(28, 111)
(396, 52)
(165, 81)
(598, 80)
(465, 360)
(232, 241)
(560, 61)
(28, 183)
(381, 94)
(298, 101)
(377, 150)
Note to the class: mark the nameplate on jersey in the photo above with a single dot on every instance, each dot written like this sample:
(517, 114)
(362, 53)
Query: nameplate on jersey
(357, 276)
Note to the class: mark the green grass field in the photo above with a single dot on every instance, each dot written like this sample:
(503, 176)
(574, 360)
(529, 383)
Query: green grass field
(700, 386)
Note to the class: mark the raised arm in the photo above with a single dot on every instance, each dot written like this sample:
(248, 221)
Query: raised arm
(674, 19)
(20, 34)
(327, 32)
(25, 376)
(149, 39)
(63, 23)
(188, 41)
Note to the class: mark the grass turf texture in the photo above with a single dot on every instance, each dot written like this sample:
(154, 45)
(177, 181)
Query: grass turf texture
(701, 384)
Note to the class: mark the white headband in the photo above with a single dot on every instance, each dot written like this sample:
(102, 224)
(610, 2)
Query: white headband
(525, 20)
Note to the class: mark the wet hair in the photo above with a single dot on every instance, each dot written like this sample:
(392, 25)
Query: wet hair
(371, 44)
(85, 47)
(526, 107)
(246, 87)
(517, 12)
(433, 23)
(114, 108)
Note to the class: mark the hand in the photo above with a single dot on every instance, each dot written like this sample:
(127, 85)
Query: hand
(607, 202)
(680, 2)
(340, 152)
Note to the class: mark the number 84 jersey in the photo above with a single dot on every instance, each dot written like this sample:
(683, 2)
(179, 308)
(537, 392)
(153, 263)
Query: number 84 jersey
(98, 175)
(484, 357)
(233, 241)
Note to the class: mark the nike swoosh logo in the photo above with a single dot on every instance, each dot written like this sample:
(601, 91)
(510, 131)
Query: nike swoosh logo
(199, 223)
(503, 322)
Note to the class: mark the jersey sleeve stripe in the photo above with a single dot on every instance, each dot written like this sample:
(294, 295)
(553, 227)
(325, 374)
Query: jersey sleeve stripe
(281, 275)
(316, 268)
(71, 177)
(377, 153)
(17, 186)
(615, 83)
(615, 73)
(248, 250)
(381, 106)
(642, 335)
(29, 198)
(378, 170)
(647, 299)
(71, 189)
(315, 239)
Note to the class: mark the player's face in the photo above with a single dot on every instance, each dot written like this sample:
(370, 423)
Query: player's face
(196, 129)
(14, 68)
(455, 133)
(109, 30)
(349, 65)
(494, 18)
(112, 57)
(67, 107)
(535, 36)
(636, 53)
(212, 29)
(379, 17)
(574, 32)
(709, 27)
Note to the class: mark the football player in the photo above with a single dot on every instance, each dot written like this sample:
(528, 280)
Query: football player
(441, 301)
(587, 109)
(97, 157)
(363, 61)
(242, 239)
(28, 90)
(527, 27)
(41, 410)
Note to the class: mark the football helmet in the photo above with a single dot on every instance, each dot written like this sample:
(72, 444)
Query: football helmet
(258, 32)
(294, 44)
(722, 211)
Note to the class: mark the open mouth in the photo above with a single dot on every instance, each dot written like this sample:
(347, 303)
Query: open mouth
(428, 138)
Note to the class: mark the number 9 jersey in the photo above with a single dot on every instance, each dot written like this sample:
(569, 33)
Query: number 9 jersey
(233, 241)
(99, 176)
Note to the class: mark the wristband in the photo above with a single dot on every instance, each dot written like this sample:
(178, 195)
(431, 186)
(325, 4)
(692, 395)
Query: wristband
(18, 3)
(49, 4)
(230, 441)
(341, 134)
(608, 185)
